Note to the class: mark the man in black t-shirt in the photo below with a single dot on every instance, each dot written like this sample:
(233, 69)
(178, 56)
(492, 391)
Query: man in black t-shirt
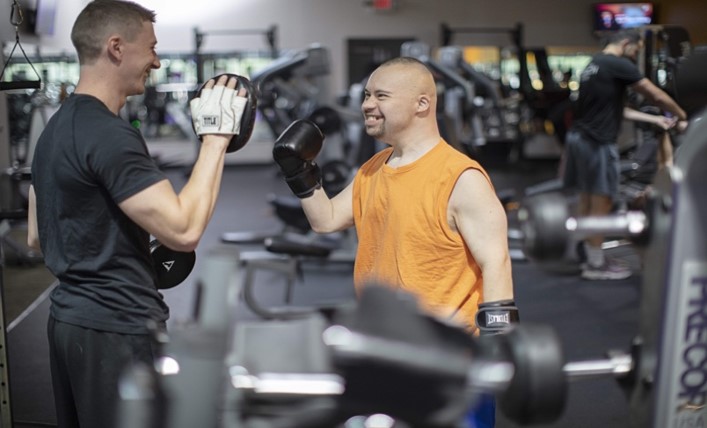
(591, 164)
(97, 196)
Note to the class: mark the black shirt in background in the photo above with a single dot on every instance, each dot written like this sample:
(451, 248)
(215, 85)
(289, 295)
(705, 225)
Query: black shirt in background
(599, 107)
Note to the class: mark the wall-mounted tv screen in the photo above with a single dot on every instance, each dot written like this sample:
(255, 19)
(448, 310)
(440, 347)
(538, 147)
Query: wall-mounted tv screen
(617, 16)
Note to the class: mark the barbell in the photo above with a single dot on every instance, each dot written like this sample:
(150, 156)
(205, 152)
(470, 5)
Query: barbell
(547, 226)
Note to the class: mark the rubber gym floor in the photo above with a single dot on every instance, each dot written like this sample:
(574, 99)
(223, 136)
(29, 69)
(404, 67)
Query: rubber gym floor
(590, 317)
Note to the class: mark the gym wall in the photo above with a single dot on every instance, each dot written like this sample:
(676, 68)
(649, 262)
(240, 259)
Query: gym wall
(687, 13)
(331, 22)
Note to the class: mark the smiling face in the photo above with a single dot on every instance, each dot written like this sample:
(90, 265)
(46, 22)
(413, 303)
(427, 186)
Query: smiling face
(139, 58)
(394, 97)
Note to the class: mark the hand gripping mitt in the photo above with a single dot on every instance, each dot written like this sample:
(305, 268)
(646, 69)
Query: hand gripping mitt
(220, 110)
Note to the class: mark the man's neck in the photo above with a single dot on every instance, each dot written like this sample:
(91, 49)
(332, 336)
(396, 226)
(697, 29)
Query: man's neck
(96, 83)
(408, 150)
(615, 50)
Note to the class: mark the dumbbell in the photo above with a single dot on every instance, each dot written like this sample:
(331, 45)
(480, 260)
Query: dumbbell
(547, 226)
(524, 368)
(530, 376)
(172, 267)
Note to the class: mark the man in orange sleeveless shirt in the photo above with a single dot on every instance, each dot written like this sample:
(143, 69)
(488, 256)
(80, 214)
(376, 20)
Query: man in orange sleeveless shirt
(427, 217)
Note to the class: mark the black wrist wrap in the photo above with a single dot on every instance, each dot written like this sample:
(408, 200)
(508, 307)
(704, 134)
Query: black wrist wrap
(305, 182)
(497, 316)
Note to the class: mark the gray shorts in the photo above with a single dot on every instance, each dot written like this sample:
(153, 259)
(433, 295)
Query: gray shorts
(591, 167)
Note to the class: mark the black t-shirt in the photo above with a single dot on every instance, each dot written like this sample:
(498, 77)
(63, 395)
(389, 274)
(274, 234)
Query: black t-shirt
(87, 161)
(599, 108)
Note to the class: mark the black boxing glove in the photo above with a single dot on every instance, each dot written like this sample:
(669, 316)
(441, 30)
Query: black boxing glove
(294, 151)
(220, 110)
(496, 317)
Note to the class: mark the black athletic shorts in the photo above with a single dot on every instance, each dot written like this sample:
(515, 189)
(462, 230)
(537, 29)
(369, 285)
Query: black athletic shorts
(591, 167)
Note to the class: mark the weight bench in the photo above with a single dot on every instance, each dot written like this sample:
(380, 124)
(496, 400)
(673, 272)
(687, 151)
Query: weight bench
(286, 250)
(283, 254)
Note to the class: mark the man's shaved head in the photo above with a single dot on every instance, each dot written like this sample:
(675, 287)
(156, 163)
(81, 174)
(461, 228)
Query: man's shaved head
(414, 74)
(400, 99)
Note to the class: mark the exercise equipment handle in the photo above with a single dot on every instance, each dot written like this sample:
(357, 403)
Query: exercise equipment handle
(319, 384)
(495, 376)
(16, 18)
(617, 365)
(20, 85)
(631, 223)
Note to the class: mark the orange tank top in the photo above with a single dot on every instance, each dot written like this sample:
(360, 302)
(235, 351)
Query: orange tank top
(404, 239)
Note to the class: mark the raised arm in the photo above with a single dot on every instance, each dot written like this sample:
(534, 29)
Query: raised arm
(294, 152)
(178, 220)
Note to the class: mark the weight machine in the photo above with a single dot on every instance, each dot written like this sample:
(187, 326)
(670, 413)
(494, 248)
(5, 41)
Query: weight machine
(289, 87)
(500, 114)
(16, 19)
(516, 34)
(459, 123)
(10, 175)
(475, 112)
(536, 115)
(663, 46)
(669, 60)
(199, 36)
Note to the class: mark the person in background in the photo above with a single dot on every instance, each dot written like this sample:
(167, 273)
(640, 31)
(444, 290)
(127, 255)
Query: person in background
(591, 156)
